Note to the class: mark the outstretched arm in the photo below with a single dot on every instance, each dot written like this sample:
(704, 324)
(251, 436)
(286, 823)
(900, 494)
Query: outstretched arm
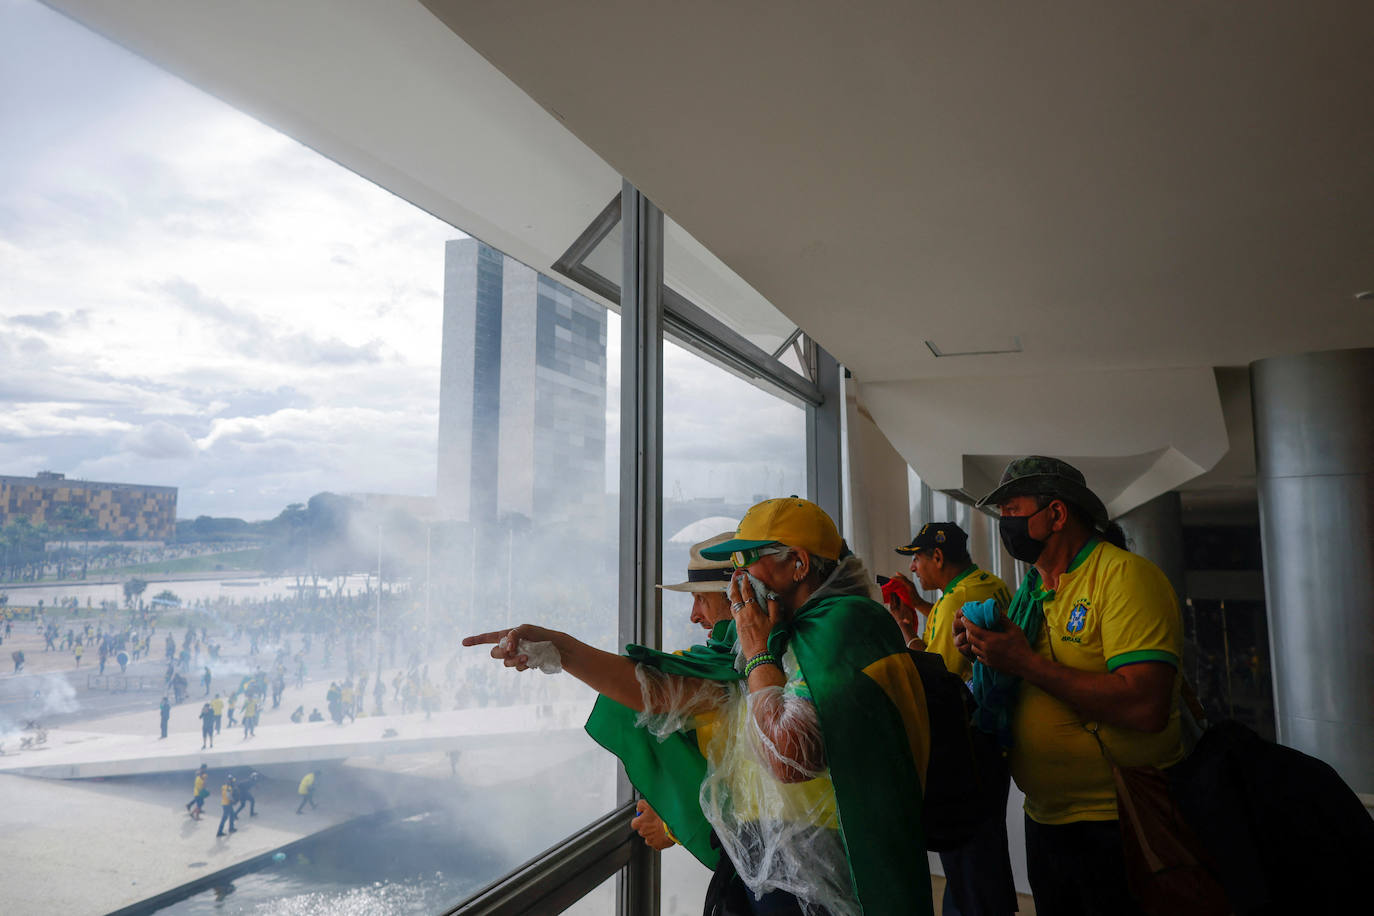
(608, 674)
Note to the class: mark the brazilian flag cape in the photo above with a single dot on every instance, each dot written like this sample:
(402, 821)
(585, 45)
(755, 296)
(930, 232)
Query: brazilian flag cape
(873, 719)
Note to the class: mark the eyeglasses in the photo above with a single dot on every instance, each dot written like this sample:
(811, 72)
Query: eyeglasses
(743, 558)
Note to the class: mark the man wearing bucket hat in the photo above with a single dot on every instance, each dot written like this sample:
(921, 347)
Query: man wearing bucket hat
(1083, 668)
(796, 746)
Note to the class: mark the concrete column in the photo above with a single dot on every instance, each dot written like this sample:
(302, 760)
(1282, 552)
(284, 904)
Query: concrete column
(1314, 449)
(1155, 531)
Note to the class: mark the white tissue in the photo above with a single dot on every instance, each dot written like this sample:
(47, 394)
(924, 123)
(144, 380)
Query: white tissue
(542, 655)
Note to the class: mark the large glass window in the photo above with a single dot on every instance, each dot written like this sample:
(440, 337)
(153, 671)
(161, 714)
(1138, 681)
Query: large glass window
(727, 444)
(274, 440)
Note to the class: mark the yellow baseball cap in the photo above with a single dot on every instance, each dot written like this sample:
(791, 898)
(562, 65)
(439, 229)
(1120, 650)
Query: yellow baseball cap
(789, 520)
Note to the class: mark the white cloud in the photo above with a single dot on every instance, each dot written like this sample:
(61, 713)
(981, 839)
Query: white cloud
(37, 419)
(159, 440)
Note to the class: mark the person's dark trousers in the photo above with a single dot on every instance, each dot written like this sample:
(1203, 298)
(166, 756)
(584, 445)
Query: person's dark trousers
(727, 895)
(307, 797)
(229, 816)
(219, 723)
(1078, 869)
(246, 798)
(164, 726)
(978, 874)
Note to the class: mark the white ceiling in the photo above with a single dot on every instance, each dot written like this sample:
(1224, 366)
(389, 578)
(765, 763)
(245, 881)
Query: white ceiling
(1159, 188)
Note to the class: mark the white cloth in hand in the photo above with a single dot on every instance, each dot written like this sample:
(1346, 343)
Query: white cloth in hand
(542, 655)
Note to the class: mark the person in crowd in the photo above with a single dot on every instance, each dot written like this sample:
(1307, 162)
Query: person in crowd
(250, 716)
(798, 740)
(196, 806)
(1083, 668)
(207, 726)
(315, 715)
(165, 708)
(298, 715)
(245, 789)
(306, 790)
(205, 679)
(217, 704)
(978, 875)
(227, 798)
(17, 656)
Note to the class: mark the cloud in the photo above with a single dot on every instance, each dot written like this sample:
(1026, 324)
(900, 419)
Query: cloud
(35, 419)
(302, 348)
(253, 335)
(49, 322)
(159, 440)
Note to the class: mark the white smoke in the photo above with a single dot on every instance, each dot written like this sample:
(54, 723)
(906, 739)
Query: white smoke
(53, 695)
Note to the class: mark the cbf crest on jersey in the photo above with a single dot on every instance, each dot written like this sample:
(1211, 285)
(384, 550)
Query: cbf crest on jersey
(1078, 617)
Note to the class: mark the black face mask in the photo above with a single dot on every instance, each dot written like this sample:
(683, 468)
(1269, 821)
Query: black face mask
(1015, 532)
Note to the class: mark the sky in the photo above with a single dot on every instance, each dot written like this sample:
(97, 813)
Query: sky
(189, 298)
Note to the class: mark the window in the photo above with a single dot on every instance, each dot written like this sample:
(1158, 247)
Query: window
(727, 444)
(269, 423)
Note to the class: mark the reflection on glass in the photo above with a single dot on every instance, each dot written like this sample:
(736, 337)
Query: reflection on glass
(227, 360)
(601, 901)
(605, 257)
(690, 269)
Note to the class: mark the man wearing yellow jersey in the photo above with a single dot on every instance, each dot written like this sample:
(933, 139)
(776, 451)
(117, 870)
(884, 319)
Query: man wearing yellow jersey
(978, 876)
(1094, 637)
(940, 561)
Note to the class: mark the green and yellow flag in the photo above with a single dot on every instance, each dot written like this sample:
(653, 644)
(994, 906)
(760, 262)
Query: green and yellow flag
(873, 719)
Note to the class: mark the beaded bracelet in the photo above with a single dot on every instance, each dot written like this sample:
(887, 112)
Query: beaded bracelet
(763, 658)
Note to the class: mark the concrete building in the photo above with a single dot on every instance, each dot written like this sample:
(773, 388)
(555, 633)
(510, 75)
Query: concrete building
(123, 510)
(522, 398)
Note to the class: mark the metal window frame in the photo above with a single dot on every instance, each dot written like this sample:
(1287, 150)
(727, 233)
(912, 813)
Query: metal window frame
(559, 877)
(690, 323)
(641, 481)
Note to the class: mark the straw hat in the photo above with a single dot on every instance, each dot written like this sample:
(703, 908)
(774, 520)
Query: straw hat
(705, 575)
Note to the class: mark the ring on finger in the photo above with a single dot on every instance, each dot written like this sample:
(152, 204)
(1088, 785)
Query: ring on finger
(737, 606)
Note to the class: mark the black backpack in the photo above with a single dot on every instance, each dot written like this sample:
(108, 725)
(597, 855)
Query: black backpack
(965, 774)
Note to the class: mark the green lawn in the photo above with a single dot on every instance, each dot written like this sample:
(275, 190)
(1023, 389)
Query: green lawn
(249, 559)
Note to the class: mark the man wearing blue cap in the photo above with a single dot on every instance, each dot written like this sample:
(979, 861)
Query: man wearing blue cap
(1082, 673)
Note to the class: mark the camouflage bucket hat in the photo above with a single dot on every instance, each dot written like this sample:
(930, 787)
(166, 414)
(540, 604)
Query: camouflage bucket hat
(1036, 475)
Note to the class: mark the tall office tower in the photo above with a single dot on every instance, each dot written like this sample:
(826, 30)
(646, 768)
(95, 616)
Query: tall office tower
(522, 393)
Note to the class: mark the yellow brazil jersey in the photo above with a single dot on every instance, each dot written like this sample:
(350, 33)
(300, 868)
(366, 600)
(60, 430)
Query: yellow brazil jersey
(973, 584)
(1111, 608)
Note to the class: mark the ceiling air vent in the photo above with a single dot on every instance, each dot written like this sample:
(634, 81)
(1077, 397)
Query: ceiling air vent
(985, 347)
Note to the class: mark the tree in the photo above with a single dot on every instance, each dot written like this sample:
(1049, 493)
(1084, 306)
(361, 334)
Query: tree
(25, 549)
(132, 589)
